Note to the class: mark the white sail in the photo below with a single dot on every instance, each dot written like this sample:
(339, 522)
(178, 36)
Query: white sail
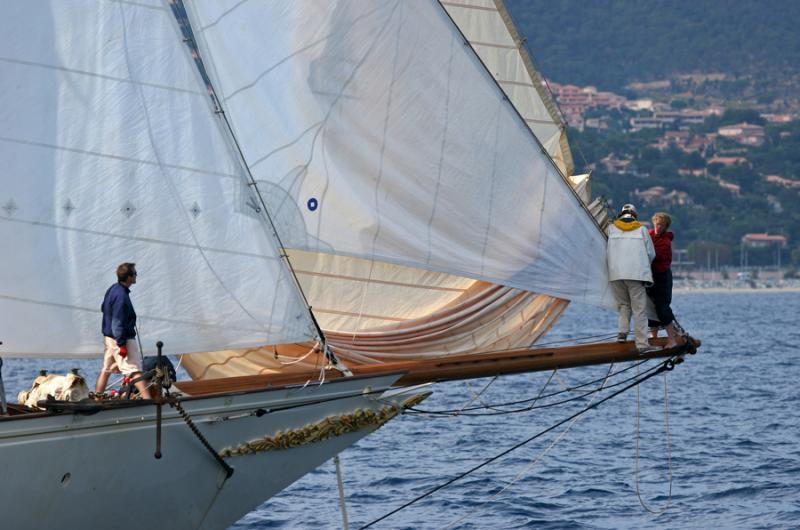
(111, 152)
(488, 27)
(378, 134)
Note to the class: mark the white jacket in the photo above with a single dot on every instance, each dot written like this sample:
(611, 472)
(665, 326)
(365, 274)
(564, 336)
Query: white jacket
(629, 254)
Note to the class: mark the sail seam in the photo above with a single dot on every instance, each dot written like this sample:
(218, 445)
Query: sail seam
(360, 314)
(140, 316)
(467, 6)
(115, 157)
(137, 4)
(137, 238)
(493, 45)
(383, 282)
(518, 83)
(100, 76)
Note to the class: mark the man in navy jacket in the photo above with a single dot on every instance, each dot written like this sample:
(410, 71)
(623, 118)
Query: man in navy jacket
(122, 354)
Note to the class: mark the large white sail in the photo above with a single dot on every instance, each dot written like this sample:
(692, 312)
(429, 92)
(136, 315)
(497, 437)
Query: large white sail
(378, 134)
(488, 27)
(111, 152)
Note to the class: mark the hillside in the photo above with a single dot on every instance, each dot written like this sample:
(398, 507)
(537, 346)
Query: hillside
(610, 43)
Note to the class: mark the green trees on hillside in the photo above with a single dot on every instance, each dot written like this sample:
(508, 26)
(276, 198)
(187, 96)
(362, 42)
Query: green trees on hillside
(610, 43)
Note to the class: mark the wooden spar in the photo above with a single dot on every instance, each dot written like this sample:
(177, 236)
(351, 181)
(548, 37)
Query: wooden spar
(457, 367)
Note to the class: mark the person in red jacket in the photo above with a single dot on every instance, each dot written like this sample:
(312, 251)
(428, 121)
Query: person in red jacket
(661, 291)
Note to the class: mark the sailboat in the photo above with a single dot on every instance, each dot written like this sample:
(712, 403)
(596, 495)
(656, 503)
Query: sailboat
(326, 202)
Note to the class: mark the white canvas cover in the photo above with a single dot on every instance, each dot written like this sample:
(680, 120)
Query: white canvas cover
(111, 153)
(375, 133)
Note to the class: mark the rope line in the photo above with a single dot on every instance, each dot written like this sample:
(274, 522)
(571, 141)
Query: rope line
(533, 406)
(533, 463)
(340, 486)
(664, 366)
(669, 454)
(228, 469)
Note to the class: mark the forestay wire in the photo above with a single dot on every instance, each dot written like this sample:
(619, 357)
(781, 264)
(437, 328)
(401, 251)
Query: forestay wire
(664, 366)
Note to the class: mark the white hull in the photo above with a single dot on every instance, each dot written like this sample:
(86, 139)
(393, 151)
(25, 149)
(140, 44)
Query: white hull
(72, 470)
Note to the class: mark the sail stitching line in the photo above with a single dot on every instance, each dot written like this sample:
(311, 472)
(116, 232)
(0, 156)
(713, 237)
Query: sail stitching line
(379, 178)
(493, 45)
(171, 185)
(491, 194)
(383, 282)
(288, 57)
(442, 148)
(137, 4)
(467, 6)
(115, 157)
(100, 76)
(143, 317)
(137, 238)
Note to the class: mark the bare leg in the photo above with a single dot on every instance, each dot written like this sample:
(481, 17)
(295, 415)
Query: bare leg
(141, 386)
(102, 381)
(672, 336)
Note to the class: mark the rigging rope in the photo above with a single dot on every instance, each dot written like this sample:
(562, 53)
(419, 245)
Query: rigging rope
(535, 460)
(533, 406)
(669, 453)
(667, 365)
(340, 486)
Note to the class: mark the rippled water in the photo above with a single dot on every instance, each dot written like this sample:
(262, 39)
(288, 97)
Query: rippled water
(733, 425)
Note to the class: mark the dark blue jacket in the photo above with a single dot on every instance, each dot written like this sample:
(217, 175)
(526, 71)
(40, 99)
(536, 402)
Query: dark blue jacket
(119, 318)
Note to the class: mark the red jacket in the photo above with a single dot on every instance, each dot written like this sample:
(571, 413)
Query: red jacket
(663, 246)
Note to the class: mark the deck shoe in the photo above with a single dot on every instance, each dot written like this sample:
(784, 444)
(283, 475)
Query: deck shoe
(647, 349)
(622, 337)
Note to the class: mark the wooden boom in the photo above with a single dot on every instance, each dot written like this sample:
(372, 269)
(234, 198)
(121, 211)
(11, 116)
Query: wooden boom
(457, 366)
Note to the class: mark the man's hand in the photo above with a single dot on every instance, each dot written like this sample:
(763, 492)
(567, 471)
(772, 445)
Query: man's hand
(123, 351)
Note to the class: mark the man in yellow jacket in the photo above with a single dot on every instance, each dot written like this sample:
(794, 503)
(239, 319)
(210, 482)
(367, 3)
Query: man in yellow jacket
(630, 252)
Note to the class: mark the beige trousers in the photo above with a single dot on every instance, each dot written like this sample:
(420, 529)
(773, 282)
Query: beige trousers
(631, 298)
(113, 362)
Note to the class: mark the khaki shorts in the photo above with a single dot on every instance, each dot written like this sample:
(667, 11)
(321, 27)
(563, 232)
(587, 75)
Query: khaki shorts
(113, 362)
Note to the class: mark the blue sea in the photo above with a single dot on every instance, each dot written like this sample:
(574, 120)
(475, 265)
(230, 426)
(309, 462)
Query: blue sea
(718, 439)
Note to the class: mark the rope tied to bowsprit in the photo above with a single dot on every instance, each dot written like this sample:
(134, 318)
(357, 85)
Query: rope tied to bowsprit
(665, 366)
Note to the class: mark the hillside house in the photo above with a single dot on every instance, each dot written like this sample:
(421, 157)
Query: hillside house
(743, 133)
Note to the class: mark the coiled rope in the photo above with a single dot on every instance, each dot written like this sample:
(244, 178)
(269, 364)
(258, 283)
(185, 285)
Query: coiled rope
(667, 365)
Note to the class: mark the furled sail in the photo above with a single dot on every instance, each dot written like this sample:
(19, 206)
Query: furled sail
(488, 27)
(378, 135)
(112, 153)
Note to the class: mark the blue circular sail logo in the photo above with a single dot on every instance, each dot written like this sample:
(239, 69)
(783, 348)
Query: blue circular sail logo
(312, 204)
